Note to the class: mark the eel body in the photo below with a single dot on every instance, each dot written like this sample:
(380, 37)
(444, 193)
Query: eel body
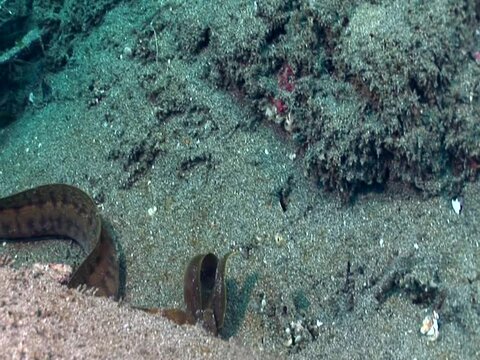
(59, 210)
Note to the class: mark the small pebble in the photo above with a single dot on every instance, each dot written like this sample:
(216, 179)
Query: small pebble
(127, 52)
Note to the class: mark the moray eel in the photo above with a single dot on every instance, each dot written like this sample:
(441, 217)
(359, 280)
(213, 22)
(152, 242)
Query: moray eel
(204, 294)
(60, 210)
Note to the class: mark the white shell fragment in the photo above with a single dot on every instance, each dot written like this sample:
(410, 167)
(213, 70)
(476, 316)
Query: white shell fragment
(430, 326)
(151, 211)
(457, 204)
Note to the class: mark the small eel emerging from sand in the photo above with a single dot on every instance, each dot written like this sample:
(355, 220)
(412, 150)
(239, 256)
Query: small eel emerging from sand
(59, 210)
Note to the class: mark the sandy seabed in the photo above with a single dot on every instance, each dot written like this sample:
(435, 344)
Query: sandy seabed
(41, 319)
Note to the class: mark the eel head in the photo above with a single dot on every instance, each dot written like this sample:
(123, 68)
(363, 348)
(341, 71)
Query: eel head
(204, 294)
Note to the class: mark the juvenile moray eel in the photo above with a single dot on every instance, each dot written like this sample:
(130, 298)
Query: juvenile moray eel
(60, 210)
(204, 294)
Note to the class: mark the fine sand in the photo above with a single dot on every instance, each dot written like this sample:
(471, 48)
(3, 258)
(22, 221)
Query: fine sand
(40, 319)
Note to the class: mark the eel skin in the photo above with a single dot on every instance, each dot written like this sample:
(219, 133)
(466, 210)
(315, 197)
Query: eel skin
(59, 210)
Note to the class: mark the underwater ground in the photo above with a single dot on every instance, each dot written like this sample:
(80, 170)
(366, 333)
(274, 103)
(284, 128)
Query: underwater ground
(321, 141)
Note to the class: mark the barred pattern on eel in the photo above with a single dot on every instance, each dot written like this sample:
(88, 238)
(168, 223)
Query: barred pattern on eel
(60, 210)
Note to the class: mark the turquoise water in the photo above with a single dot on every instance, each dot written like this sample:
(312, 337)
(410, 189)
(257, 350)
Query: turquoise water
(322, 141)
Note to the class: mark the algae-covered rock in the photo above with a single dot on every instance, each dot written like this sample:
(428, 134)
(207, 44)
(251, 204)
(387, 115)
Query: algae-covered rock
(401, 60)
(371, 93)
